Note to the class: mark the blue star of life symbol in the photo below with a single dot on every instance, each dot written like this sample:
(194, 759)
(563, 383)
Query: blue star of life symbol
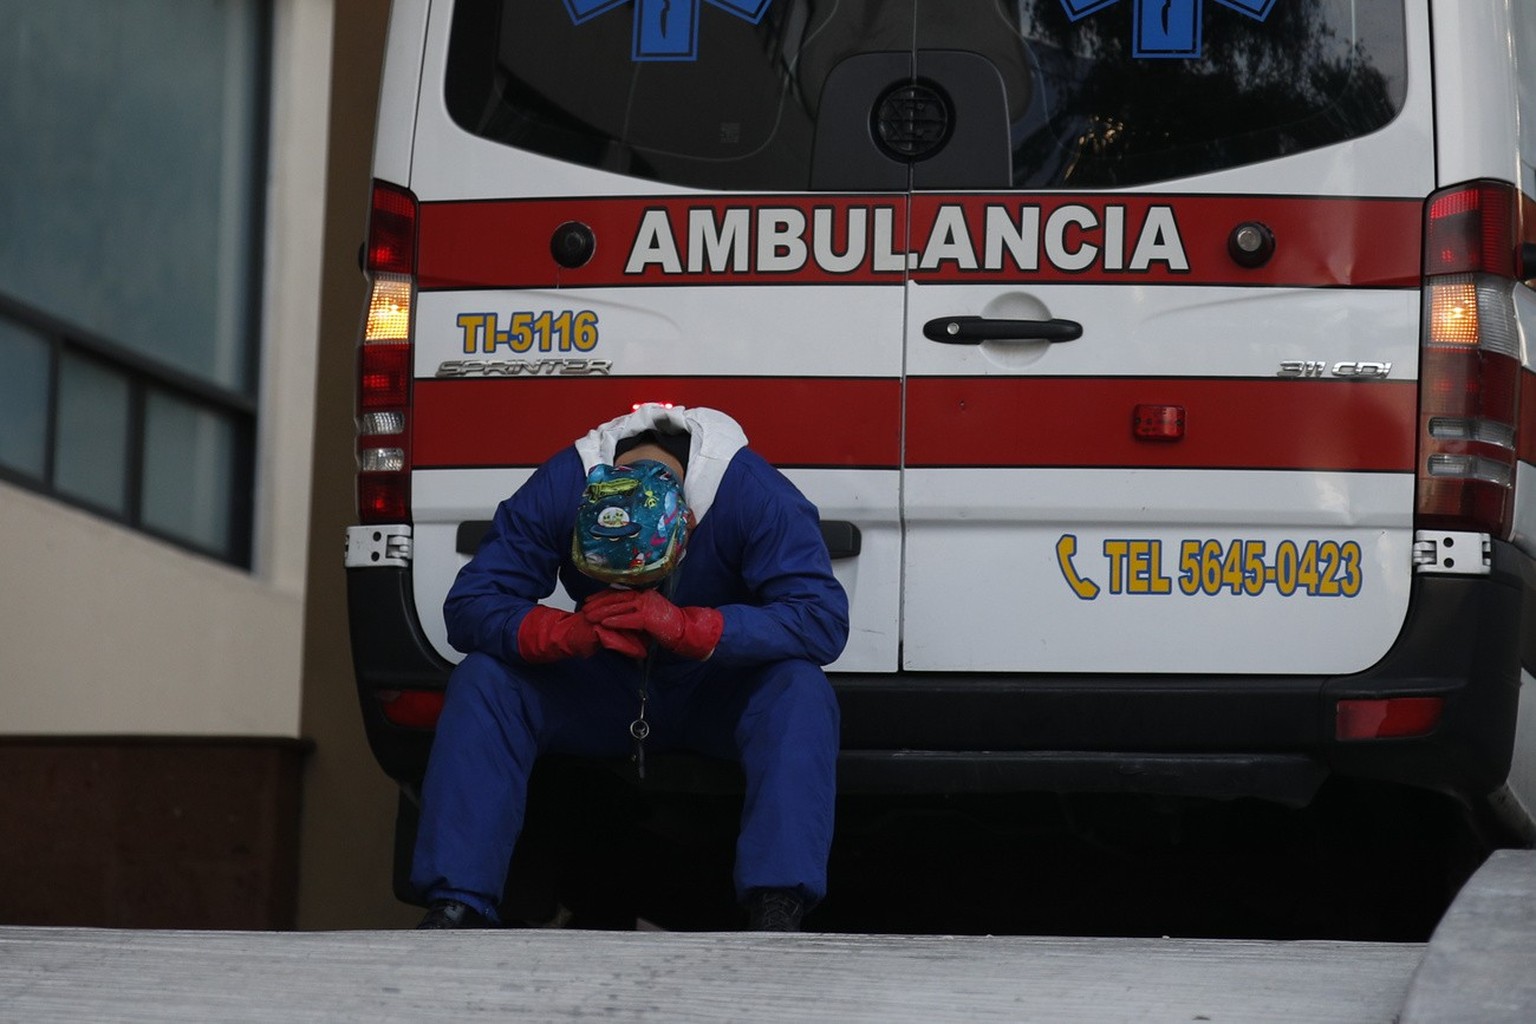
(667, 29)
(1168, 28)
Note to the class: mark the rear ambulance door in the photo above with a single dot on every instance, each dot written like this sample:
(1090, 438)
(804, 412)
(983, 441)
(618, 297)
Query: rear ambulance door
(624, 202)
(1161, 334)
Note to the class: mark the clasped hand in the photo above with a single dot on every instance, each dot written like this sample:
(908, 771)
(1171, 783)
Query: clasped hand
(622, 621)
(625, 619)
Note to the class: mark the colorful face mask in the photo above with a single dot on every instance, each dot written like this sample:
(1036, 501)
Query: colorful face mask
(632, 525)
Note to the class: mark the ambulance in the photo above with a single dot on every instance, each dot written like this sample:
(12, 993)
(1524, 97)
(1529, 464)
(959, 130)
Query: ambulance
(1161, 369)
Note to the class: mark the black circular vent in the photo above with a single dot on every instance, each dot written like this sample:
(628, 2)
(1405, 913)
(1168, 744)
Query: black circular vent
(912, 121)
(572, 244)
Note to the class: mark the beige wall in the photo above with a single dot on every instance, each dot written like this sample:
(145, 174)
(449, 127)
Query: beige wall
(104, 630)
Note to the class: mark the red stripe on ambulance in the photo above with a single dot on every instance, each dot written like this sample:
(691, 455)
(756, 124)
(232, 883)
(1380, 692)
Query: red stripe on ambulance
(792, 421)
(951, 421)
(1228, 423)
(839, 239)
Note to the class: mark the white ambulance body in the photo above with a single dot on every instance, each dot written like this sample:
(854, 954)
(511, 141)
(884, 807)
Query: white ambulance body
(1160, 371)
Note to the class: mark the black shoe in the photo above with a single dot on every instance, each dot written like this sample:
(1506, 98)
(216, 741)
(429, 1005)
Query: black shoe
(453, 914)
(774, 910)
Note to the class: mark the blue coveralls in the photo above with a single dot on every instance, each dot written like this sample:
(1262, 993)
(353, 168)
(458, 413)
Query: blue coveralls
(760, 699)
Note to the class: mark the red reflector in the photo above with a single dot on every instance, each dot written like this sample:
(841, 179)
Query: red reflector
(1158, 422)
(1458, 504)
(384, 497)
(1470, 382)
(392, 230)
(1387, 718)
(1469, 411)
(1471, 228)
(412, 709)
(384, 377)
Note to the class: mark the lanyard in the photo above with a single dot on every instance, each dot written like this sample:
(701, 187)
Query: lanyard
(639, 729)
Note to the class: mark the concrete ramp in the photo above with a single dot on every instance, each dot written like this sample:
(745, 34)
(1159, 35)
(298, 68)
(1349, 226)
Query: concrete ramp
(1481, 964)
(71, 976)
(1474, 967)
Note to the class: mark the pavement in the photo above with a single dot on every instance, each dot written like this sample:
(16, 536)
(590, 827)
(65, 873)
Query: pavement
(1476, 967)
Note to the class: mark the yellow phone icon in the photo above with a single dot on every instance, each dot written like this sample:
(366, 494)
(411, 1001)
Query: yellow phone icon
(1066, 547)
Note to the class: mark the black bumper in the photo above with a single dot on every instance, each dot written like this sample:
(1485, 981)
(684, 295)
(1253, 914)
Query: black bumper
(1267, 736)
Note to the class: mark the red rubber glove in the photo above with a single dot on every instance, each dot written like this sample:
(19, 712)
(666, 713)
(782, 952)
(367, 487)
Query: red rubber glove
(621, 641)
(689, 632)
(549, 634)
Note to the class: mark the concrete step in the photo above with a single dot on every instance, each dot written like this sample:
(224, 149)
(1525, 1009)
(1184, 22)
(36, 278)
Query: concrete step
(1475, 968)
(70, 975)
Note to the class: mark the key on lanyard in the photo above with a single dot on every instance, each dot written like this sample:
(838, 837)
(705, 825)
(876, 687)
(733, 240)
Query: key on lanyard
(640, 729)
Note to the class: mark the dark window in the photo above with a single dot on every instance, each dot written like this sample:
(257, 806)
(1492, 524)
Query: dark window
(130, 259)
(88, 421)
(1087, 106)
(1312, 73)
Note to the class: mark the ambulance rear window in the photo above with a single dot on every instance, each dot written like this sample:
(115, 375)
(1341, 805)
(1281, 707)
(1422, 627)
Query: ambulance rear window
(732, 94)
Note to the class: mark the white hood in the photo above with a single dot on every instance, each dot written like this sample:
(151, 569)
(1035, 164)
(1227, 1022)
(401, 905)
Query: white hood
(713, 439)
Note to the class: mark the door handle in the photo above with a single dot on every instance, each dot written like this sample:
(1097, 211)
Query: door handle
(973, 330)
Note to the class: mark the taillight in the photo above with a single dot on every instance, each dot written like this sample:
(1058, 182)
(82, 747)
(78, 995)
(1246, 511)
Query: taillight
(384, 359)
(411, 709)
(1469, 377)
